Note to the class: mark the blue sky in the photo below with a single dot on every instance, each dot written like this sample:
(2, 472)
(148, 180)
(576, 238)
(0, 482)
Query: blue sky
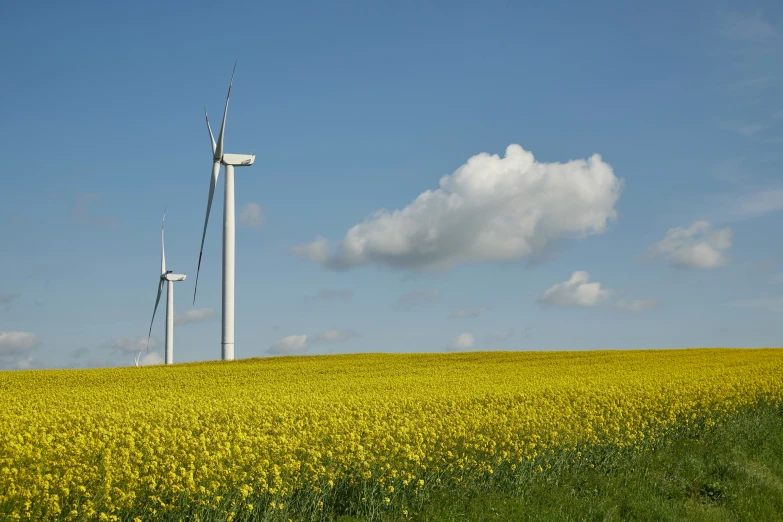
(356, 107)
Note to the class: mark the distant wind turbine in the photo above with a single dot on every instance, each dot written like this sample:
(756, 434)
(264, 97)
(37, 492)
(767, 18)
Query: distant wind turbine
(230, 161)
(169, 278)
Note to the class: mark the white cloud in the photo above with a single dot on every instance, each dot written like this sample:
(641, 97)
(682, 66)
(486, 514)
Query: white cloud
(698, 246)
(251, 215)
(334, 336)
(463, 341)
(344, 295)
(750, 200)
(81, 211)
(411, 299)
(317, 251)
(748, 27)
(773, 304)
(502, 336)
(471, 312)
(489, 209)
(757, 203)
(17, 343)
(194, 315)
(745, 129)
(636, 305)
(151, 359)
(577, 291)
(29, 363)
(293, 344)
(129, 345)
(98, 362)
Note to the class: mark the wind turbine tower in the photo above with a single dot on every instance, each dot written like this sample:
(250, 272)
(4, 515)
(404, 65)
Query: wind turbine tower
(229, 161)
(169, 278)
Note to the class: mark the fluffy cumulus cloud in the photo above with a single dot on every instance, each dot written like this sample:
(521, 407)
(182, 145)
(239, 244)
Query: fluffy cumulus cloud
(293, 344)
(411, 299)
(491, 208)
(151, 359)
(698, 246)
(17, 343)
(251, 215)
(470, 312)
(636, 305)
(194, 315)
(577, 291)
(464, 341)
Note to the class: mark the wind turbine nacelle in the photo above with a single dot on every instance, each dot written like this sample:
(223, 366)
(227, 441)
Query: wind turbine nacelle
(174, 277)
(238, 160)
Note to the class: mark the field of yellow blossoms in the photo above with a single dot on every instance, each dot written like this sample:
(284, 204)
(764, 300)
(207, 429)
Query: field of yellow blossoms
(292, 437)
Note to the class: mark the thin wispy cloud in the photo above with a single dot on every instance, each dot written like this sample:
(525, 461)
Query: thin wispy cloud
(8, 298)
(129, 345)
(195, 315)
(748, 27)
(334, 336)
(82, 212)
(751, 83)
(636, 305)
(499, 337)
(491, 208)
(251, 216)
(80, 352)
(744, 129)
(417, 297)
(749, 50)
(28, 363)
(755, 204)
(468, 313)
(772, 304)
(340, 295)
(747, 200)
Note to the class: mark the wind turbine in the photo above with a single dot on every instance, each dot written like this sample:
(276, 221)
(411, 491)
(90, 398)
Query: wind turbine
(229, 161)
(168, 277)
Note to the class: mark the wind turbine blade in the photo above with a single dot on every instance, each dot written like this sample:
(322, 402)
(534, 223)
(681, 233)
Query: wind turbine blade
(163, 245)
(157, 300)
(211, 137)
(219, 148)
(212, 185)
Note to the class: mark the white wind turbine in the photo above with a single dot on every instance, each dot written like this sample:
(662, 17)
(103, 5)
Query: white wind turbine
(230, 161)
(169, 278)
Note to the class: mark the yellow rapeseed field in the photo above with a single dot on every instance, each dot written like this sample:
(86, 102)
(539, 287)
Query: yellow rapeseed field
(279, 437)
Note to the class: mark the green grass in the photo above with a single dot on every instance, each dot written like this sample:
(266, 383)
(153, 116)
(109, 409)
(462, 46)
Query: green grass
(733, 472)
